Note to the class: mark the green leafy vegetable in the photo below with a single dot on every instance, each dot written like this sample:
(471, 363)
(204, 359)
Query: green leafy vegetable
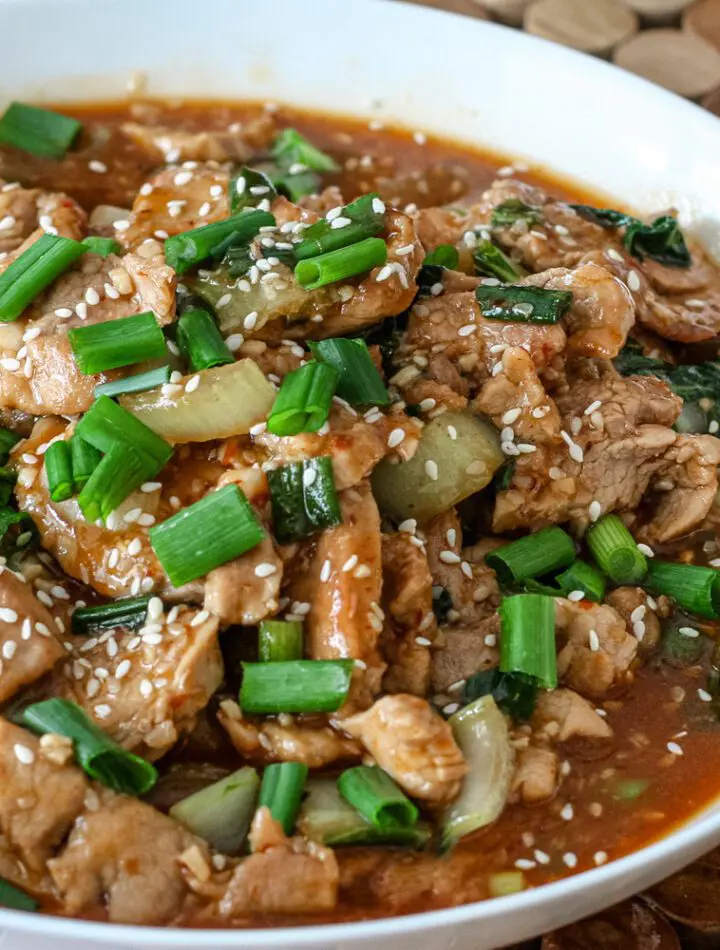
(513, 210)
(515, 693)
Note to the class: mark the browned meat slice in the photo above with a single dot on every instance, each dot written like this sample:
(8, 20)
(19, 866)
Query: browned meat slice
(238, 143)
(145, 687)
(537, 774)
(246, 590)
(284, 875)
(125, 855)
(595, 650)
(29, 643)
(562, 715)
(462, 650)
(28, 213)
(637, 610)
(408, 739)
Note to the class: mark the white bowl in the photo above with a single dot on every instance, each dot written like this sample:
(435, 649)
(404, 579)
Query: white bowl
(466, 79)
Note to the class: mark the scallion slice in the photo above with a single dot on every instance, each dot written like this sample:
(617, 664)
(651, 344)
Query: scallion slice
(376, 796)
(128, 612)
(527, 643)
(33, 271)
(298, 186)
(339, 265)
(693, 587)
(444, 255)
(359, 381)
(15, 899)
(304, 400)
(187, 250)
(115, 343)
(291, 149)
(280, 640)
(215, 530)
(102, 246)
(492, 262)
(584, 577)
(100, 757)
(537, 554)
(106, 424)
(8, 440)
(362, 221)
(38, 131)
(248, 188)
(523, 304)
(615, 551)
(59, 472)
(303, 498)
(513, 210)
(200, 342)
(295, 686)
(222, 812)
(85, 459)
(283, 784)
(139, 383)
(121, 471)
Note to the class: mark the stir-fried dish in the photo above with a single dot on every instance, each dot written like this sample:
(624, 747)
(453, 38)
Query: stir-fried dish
(358, 518)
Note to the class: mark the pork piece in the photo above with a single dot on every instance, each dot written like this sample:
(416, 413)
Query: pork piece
(40, 798)
(413, 744)
(284, 875)
(407, 601)
(246, 590)
(28, 635)
(238, 143)
(355, 444)
(463, 649)
(286, 739)
(562, 714)
(145, 695)
(28, 213)
(537, 774)
(124, 855)
(592, 665)
(633, 605)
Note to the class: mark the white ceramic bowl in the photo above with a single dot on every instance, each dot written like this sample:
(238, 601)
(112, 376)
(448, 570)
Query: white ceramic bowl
(466, 79)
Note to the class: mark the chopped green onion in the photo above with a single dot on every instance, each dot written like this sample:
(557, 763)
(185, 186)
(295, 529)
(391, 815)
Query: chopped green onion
(304, 400)
(215, 530)
(506, 882)
(359, 381)
(628, 789)
(376, 796)
(15, 899)
(38, 131)
(7, 484)
(106, 424)
(291, 148)
(187, 250)
(527, 644)
(615, 551)
(282, 790)
(35, 269)
(200, 342)
(8, 440)
(121, 471)
(298, 186)
(280, 640)
(295, 686)
(694, 588)
(10, 517)
(523, 304)
(533, 556)
(492, 262)
(139, 383)
(338, 265)
(58, 468)
(248, 188)
(303, 498)
(221, 813)
(510, 212)
(102, 246)
(363, 222)
(115, 343)
(677, 646)
(85, 459)
(129, 612)
(100, 757)
(514, 693)
(444, 255)
(584, 577)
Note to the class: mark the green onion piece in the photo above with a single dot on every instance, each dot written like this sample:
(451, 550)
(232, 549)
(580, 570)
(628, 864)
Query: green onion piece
(8, 440)
(106, 424)
(7, 484)
(120, 472)
(282, 790)
(679, 648)
(128, 612)
(615, 551)
(184, 251)
(100, 757)
(38, 131)
(374, 794)
(523, 304)
(359, 381)
(15, 899)
(200, 342)
(291, 148)
(33, 271)
(139, 383)
(628, 789)
(58, 468)
(85, 459)
(221, 813)
(10, 517)
(295, 686)
(506, 882)
(540, 553)
(444, 255)
(280, 640)
(510, 212)
(248, 188)
(527, 644)
(298, 186)
(514, 693)
(303, 498)
(102, 246)
(304, 400)
(338, 265)
(492, 262)
(364, 222)
(584, 577)
(694, 588)
(115, 343)
(215, 530)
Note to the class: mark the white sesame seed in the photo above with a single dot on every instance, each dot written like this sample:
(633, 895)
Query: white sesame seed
(350, 563)
(689, 632)
(674, 748)
(431, 470)
(265, 569)
(8, 615)
(409, 526)
(646, 550)
(638, 613)
(512, 415)
(135, 547)
(449, 557)
(121, 225)
(102, 711)
(594, 641)
(600, 857)
(59, 593)
(192, 384)
(250, 320)
(467, 329)
(570, 860)
(526, 448)
(633, 281)
(23, 754)
(395, 438)
(452, 432)
(7, 222)
(152, 639)
(26, 629)
(378, 206)
(200, 618)
(63, 312)
(9, 649)
(639, 630)
(524, 864)
(594, 511)
(10, 364)
(132, 516)
(576, 595)
(123, 668)
(704, 695)
(325, 571)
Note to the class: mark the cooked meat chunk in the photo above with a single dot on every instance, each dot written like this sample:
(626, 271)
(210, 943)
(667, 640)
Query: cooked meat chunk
(413, 744)
(537, 774)
(562, 714)
(31, 213)
(633, 605)
(125, 855)
(238, 144)
(592, 665)
(246, 590)
(462, 650)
